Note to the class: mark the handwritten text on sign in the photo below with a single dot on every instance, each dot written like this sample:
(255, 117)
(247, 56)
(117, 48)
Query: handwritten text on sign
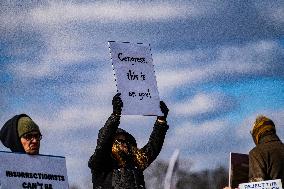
(269, 184)
(135, 77)
(32, 172)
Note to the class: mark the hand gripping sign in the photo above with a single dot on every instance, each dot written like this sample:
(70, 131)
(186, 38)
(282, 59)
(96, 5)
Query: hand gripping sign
(32, 171)
(135, 78)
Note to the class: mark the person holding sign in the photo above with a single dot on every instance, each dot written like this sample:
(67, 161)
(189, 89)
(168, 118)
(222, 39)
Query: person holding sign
(117, 163)
(266, 160)
(21, 134)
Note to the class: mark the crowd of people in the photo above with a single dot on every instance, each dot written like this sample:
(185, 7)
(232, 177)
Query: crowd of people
(117, 162)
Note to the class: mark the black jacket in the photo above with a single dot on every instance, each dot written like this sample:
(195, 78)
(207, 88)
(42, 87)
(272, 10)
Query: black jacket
(105, 172)
(9, 134)
(266, 160)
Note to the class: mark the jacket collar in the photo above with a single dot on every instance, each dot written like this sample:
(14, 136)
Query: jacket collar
(269, 138)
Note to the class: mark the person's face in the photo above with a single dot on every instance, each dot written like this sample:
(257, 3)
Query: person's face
(122, 143)
(31, 143)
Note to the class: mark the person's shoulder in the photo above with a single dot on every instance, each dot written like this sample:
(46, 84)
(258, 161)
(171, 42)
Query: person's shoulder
(252, 151)
(264, 147)
(256, 150)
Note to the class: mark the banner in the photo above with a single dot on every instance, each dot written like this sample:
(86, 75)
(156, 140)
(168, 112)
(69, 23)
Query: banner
(135, 78)
(32, 171)
(268, 184)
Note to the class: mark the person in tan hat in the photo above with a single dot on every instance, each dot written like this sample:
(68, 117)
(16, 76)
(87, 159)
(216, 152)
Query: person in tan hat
(266, 159)
(21, 134)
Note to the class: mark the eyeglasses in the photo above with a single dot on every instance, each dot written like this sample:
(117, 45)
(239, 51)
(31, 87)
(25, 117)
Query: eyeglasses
(31, 136)
(121, 141)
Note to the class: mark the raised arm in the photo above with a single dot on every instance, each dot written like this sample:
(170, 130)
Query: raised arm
(146, 155)
(101, 158)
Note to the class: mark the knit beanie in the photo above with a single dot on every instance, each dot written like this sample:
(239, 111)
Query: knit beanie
(261, 126)
(26, 125)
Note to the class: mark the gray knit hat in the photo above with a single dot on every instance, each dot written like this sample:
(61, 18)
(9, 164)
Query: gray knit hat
(26, 125)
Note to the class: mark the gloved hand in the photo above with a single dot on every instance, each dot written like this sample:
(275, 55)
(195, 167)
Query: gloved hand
(164, 110)
(117, 104)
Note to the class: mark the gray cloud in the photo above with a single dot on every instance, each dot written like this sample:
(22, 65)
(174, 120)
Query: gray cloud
(227, 62)
(195, 22)
(204, 105)
(58, 13)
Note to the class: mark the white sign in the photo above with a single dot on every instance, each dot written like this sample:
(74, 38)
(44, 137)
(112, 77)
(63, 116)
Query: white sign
(135, 77)
(32, 171)
(268, 184)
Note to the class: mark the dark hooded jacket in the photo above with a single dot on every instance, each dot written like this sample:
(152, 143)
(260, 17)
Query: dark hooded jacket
(266, 160)
(106, 174)
(9, 134)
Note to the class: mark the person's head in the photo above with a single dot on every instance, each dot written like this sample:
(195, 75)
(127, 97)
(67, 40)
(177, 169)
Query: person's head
(122, 146)
(262, 126)
(125, 151)
(29, 134)
(122, 142)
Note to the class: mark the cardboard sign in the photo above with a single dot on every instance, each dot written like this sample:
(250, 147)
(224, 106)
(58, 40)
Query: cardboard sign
(268, 184)
(238, 169)
(135, 77)
(32, 171)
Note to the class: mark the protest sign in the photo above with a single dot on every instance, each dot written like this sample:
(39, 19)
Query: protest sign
(135, 78)
(238, 169)
(268, 184)
(19, 170)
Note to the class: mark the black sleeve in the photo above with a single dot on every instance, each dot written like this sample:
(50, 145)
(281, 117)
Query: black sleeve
(101, 159)
(155, 143)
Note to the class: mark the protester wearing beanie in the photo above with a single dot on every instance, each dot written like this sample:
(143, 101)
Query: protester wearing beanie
(15, 129)
(266, 160)
(27, 125)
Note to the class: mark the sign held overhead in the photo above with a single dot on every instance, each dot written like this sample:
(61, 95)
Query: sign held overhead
(135, 78)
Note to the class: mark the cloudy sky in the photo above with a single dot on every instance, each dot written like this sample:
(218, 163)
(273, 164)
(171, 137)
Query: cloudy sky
(218, 64)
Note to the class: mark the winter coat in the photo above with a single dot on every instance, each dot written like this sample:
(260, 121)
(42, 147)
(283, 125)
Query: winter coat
(9, 134)
(106, 174)
(266, 160)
